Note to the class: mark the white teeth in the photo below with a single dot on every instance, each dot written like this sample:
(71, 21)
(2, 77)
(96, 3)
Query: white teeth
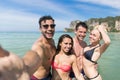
(49, 32)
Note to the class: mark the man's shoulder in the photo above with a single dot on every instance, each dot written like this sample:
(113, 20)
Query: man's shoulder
(37, 46)
(84, 44)
(37, 43)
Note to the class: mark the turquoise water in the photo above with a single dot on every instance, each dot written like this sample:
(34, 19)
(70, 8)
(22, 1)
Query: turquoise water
(109, 64)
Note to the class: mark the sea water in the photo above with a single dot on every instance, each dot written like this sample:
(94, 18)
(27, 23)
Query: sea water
(108, 65)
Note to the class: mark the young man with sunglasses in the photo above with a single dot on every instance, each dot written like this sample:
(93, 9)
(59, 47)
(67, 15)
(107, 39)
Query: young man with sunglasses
(45, 47)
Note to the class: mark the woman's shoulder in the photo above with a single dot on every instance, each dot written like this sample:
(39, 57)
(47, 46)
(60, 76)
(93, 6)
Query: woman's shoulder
(57, 56)
(73, 57)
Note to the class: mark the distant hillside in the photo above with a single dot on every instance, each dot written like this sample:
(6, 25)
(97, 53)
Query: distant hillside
(111, 23)
(72, 25)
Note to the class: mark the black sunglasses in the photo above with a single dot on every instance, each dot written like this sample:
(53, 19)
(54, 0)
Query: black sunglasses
(51, 26)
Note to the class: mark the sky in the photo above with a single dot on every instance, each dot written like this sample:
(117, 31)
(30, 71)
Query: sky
(23, 15)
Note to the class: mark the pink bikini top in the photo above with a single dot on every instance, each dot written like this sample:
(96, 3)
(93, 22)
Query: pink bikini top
(65, 68)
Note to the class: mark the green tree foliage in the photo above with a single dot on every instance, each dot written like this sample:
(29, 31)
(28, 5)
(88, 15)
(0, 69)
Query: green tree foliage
(110, 20)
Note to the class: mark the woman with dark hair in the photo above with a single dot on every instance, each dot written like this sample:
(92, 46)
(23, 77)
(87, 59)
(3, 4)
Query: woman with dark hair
(64, 60)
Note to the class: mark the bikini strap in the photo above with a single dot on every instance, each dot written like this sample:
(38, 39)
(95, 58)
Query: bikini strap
(94, 77)
(93, 61)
